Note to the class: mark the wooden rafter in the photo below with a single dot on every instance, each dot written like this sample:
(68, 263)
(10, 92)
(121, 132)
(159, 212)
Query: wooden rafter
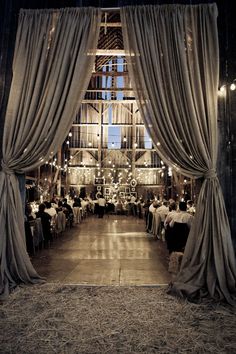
(111, 89)
(110, 73)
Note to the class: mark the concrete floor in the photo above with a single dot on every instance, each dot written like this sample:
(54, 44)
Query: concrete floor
(114, 250)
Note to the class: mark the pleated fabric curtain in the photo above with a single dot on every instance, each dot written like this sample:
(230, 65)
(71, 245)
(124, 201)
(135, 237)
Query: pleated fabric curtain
(173, 61)
(51, 71)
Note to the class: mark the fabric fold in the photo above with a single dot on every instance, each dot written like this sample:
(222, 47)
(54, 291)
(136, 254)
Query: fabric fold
(173, 61)
(53, 60)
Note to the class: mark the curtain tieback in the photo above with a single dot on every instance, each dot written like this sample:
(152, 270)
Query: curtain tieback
(6, 169)
(210, 173)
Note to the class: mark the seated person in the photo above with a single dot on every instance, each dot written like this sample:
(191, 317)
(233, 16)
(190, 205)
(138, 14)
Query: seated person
(29, 213)
(170, 215)
(46, 223)
(190, 207)
(153, 207)
(177, 229)
(182, 216)
(68, 211)
(50, 210)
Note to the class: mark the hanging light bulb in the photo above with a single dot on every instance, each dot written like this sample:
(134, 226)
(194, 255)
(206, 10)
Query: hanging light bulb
(70, 134)
(232, 86)
(90, 144)
(135, 145)
(222, 89)
(67, 142)
(125, 139)
(112, 144)
(169, 171)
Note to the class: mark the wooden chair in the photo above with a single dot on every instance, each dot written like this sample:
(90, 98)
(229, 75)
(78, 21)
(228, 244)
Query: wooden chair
(176, 237)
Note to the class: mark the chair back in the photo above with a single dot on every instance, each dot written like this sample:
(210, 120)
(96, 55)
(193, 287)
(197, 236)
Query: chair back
(176, 237)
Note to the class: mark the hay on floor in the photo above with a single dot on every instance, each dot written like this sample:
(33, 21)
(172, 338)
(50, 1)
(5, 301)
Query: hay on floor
(53, 318)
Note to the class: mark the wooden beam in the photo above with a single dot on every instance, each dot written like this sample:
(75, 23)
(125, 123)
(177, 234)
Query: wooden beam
(133, 141)
(111, 89)
(111, 53)
(111, 73)
(100, 138)
(124, 167)
(104, 125)
(121, 149)
(111, 24)
(110, 101)
(31, 178)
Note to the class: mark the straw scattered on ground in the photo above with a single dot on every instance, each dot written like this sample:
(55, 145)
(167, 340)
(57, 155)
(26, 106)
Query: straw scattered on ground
(54, 318)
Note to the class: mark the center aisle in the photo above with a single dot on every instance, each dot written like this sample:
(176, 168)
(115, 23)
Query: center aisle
(114, 250)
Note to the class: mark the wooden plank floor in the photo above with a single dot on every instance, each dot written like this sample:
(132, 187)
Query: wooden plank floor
(114, 250)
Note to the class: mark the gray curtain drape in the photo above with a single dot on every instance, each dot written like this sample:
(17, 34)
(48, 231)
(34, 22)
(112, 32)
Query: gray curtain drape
(173, 63)
(51, 71)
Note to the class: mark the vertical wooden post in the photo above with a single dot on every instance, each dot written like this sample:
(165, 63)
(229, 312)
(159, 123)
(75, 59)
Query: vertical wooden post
(59, 172)
(100, 135)
(133, 142)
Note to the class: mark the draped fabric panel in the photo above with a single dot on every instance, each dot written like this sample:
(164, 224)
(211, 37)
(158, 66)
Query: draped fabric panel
(105, 113)
(137, 115)
(126, 137)
(104, 137)
(87, 137)
(88, 113)
(51, 71)
(121, 114)
(173, 61)
(140, 137)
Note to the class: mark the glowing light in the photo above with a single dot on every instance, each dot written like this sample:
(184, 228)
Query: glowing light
(222, 89)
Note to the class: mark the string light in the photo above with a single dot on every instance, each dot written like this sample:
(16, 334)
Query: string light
(222, 88)
(232, 86)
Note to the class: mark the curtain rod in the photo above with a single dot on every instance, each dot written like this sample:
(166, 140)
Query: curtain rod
(110, 8)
